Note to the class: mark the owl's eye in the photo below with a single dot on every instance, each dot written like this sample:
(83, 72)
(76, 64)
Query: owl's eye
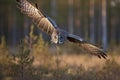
(61, 37)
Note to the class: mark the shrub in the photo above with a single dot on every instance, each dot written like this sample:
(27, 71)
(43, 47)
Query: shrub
(4, 59)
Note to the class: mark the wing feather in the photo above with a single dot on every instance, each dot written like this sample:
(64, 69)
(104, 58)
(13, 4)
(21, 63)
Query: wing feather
(88, 47)
(41, 20)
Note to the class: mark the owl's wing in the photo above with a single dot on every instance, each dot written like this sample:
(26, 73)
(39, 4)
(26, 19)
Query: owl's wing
(90, 48)
(45, 23)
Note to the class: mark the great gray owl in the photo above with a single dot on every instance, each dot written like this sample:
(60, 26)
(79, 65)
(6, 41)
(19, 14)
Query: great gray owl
(58, 36)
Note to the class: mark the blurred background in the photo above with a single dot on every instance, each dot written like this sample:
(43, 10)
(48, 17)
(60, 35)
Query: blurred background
(27, 55)
(98, 21)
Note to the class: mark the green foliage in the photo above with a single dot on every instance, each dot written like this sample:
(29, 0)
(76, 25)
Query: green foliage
(41, 52)
(3, 50)
(3, 42)
(31, 38)
(21, 67)
(4, 59)
(22, 63)
(41, 47)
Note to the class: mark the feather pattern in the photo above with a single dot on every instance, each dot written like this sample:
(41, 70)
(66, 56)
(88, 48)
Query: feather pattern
(42, 21)
(88, 47)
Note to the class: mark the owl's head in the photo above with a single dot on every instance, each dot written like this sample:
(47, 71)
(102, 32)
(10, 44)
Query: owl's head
(58, 37)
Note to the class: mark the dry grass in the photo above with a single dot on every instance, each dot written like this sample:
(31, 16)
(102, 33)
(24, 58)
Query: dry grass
(81, 67)
(37, 63)
(87, 61)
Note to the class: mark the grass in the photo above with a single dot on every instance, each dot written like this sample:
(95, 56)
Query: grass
(35, 61)
(59, 67)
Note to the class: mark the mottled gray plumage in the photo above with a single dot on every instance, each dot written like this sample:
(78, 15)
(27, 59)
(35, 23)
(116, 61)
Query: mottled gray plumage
(58, 35)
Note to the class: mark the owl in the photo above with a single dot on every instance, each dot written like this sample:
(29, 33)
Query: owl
(58, 36)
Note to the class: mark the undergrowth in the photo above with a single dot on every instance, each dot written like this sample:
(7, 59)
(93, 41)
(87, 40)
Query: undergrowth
(33, 61)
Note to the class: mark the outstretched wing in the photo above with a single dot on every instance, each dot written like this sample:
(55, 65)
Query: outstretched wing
(45, 23)
(90, 48)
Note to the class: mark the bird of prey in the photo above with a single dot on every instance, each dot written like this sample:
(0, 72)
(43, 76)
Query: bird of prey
(58, 36)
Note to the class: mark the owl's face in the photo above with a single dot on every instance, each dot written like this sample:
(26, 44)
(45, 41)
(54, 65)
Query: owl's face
(58, 38)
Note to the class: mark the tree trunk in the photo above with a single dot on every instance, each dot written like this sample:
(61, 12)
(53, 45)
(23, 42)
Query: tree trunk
(104, 24)
(77, 19)
(2, 19)
(53, 8)
(92, 27)
(70, 16)
(99, 29)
